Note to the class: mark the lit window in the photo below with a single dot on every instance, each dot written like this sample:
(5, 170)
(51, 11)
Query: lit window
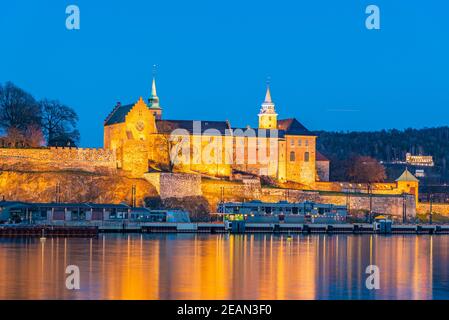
(292, 156)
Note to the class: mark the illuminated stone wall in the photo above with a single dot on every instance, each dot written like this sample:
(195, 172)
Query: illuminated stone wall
(135, 161)
(384, 188)
(257, 156)
(298, 168)
(58, 159)
(440, 208)
(240, 191)
(323, 169)
(384, 204)
(175, 185)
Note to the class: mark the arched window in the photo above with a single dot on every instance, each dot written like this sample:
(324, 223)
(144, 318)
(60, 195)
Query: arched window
(292, 156)
(306, 157)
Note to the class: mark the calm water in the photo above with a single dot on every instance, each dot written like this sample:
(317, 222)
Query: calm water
(226, 267)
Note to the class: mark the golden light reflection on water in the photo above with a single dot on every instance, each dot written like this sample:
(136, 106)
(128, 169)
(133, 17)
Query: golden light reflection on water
(226, 267)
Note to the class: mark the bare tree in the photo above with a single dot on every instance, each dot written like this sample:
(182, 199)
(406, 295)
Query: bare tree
(59, 123)
(366, 170)
(14, 138)
(34, 137)
(18, 109)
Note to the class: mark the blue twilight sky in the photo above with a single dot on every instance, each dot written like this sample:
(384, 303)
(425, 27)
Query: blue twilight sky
(214, 56)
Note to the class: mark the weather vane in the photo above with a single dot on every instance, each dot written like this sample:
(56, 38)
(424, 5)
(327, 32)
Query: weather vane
(154, 70)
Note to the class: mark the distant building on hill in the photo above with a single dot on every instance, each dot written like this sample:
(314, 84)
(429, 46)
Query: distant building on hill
(426, 161)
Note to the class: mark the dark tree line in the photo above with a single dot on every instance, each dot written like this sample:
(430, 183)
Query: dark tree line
(26, 122)
(386, 145)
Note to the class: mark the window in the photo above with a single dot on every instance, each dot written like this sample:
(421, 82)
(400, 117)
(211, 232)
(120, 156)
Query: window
(292, 156)
(307, 143)
(299, 142)
(292, 142)
(306, 157)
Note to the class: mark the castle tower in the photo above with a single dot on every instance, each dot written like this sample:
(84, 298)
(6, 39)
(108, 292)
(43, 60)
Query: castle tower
(153, 102)
(267, 114)
(408, 183)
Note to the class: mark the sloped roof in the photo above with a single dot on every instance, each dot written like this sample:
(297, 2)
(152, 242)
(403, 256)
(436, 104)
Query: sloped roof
(407, 176)
(293, 127)
(118, 115)
(167, 126)
(320, 157)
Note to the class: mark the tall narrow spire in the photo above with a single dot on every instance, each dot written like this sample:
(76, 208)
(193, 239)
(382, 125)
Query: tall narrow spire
(268, 95)
(153, 88)
(153, 101)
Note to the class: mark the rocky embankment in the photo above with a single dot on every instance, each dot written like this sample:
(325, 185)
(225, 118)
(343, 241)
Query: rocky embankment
(73, 187)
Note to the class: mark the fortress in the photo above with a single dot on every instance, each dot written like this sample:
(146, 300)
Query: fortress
(143, 141)
(184, 158)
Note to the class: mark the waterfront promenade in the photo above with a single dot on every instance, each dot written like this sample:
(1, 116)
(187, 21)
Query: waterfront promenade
(89, 229)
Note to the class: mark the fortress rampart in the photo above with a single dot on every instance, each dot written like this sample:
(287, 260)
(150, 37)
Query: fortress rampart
(58, 159)
(381, 203)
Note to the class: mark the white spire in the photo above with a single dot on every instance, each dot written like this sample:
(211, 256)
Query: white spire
(153, 88)
(268, 105)
(268, 95)
(154, 99)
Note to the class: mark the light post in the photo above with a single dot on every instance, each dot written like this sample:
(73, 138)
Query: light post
(348, 201)
(370, 195)
(404, 207)
(430, 214)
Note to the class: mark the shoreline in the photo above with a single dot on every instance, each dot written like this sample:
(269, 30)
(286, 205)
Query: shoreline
(83, 230)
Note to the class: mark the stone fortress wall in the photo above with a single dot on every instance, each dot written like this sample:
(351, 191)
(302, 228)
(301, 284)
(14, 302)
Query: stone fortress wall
(175, 185)
(58, 159)
(438, 208)
(387, 197)
(392, 204)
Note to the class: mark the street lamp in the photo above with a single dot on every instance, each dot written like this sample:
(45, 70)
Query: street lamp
(370, 195)
(404, 207)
